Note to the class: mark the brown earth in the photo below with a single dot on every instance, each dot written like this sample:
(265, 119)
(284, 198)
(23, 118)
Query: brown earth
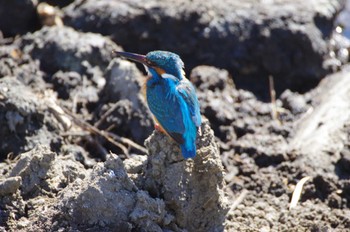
(77, 146)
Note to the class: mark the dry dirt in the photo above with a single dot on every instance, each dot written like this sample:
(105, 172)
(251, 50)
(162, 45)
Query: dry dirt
(78, 151)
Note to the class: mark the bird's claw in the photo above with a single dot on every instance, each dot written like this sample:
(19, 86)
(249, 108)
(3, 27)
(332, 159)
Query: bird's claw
(157, 127)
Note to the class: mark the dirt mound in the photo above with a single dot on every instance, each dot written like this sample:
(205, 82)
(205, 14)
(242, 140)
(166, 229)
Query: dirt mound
(78, 151)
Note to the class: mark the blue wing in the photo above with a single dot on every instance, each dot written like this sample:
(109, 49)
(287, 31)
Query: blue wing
(187, 91)
(175, 106)
(164, 105)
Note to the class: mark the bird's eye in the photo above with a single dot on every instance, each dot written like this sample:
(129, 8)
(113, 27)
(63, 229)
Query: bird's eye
(150, 63)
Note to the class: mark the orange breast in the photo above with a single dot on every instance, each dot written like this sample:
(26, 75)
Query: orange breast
(144, 88)
(159, 70)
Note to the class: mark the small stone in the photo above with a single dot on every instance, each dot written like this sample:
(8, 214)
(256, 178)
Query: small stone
(10, 185)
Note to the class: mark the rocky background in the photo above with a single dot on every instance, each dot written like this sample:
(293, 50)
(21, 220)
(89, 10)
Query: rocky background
(77, 147)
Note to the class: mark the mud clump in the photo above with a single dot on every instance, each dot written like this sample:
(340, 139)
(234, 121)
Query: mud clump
(122, 98)
(78, 151)
(22, 119)
(107, 197)
(62, 48)
(192, 189)
(284, 39)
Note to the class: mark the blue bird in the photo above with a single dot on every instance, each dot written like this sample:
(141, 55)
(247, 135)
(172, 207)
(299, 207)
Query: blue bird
(171, 98)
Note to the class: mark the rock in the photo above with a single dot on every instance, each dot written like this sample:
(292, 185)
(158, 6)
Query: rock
(41, 175)
(261, 149)
(343, 164)
(135, 167)
(124, 81)
(216, 94)
(78, 153)
(32, 168)
(49, 15)
(73, 62)
(148, 211)
(320, 136)
(122, 102)
(191, 189)
(252, 40)
(211, 78)
(62, 48)
(339, 54)
(66, 82)
(293, 102)
(10, 185)
(25, 120)
(105, 197)
(41, 170)
(20, 65)
(104, 200)
(135, 164)
(18, 16)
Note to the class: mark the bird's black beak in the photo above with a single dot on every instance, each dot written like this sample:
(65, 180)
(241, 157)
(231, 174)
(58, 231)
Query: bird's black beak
(133, 56)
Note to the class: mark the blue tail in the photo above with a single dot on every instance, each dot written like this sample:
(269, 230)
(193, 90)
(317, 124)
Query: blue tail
(188, 151)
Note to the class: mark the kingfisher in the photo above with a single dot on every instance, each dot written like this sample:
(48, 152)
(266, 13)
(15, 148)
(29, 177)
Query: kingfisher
(171, 98)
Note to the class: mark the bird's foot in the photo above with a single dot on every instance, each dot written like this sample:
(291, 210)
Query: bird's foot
(159, 128)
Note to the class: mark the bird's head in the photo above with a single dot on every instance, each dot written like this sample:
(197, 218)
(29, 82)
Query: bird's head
(158, 62)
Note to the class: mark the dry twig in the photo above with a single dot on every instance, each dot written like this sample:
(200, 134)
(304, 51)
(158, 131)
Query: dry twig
(112, 138)
(274, 112)
(239, 199)
(297, 192)
(105, 115)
